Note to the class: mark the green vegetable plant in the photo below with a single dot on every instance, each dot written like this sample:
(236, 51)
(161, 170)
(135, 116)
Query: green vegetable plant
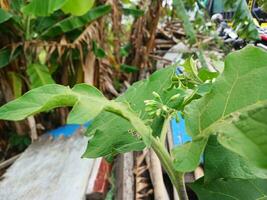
(225, 115)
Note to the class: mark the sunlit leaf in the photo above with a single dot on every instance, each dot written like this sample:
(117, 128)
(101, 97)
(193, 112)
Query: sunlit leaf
(234, 109)
(78, 7)
(42, 8)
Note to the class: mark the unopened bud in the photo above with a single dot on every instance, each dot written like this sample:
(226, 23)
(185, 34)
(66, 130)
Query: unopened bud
(155, 94)
(174, 97)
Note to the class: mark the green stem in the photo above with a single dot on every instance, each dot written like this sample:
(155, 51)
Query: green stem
(177, 178)
(28, 28)
(164, 129)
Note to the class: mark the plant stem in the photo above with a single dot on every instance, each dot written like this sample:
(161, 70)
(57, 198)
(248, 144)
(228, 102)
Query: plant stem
(28, 27)
(164, 129)
(177, 178)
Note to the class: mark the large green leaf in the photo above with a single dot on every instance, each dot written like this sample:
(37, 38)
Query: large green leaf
(74, 22)
(86, 100)
(221, 163)
(78, 7)
(235, 109)
(39, 75)
(52, 96)
(4, 15)
(229, 176)
(42, 8)
(231, 189)
(118, 134)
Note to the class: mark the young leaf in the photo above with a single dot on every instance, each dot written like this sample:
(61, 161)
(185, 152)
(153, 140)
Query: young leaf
(42, 8)
(235, 109)
(78, 7)
(39, 75)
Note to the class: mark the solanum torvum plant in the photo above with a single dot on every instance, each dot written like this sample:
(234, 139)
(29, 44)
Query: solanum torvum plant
(225, 114)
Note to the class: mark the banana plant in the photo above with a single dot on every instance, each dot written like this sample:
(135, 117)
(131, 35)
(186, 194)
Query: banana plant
(225, 116)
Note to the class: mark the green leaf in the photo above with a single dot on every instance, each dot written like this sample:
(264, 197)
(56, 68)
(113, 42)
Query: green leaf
(125, 50)
(16, 83)
(83, 110)
(86, 100)
(128, 68)
(118, 134)
(78, 7)
(4, 16)
(221, 163)
(4, 57)
(51, 96)
(74, 22)
(99, 52)
(187, 156)
(231, 189)
(204, 74)
(133, 11)
(39, 75)
(120, 140)
(42, 8)
(234, 109)
(7, 55)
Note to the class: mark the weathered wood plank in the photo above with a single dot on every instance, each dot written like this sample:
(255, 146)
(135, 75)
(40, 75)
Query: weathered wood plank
(49, 169)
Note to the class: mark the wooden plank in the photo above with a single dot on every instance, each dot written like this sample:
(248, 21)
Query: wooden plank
(49, 169)
(124, 172)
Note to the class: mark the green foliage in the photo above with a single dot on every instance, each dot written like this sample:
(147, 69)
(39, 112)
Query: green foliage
(6, 56)
(39, 75)
(133, 11)
(16, 84)
(4, 16)
(225, 189)
(234, 110)
(74, 22)
(128, 68)
(123, 137)
(42, 8)
(19, 142)
(78, 7)
(223, 163)
(46, 8)
(99, 52)
(52, 96)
